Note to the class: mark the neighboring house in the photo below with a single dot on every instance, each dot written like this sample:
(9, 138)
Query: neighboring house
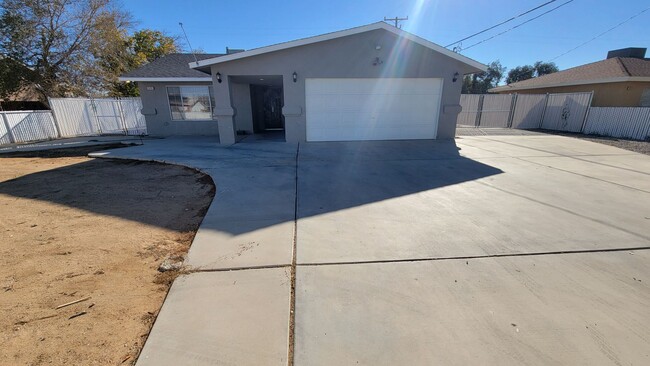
(621, 80)
(374, 82)
(24, 100)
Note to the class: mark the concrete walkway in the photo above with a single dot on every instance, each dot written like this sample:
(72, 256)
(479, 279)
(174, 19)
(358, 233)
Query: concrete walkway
(72, 142)
(487, 250)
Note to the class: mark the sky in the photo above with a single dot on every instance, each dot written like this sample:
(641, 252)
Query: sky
(211, 25)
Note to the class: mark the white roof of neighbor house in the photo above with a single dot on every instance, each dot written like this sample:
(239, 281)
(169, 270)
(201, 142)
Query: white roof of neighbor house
(339, 34)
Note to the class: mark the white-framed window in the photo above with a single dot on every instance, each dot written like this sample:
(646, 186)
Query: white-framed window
(190, 103)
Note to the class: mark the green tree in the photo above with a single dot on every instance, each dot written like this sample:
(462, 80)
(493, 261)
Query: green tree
(520, 73)
(545, 68)
(149, 45)
(57, 40)
(479, 83)
(142, 47)
(526, 72)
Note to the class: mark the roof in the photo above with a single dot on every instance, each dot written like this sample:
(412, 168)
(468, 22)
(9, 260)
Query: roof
(612, 70)
(171, 67)
(348, 32)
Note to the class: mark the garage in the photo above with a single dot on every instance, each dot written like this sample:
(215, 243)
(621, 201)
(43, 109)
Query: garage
(356, 109)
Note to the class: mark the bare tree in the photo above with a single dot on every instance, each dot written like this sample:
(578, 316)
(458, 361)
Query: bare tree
(59, 40)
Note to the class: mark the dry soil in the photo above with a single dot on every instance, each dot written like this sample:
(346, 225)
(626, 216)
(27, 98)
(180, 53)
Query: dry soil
(72, 227)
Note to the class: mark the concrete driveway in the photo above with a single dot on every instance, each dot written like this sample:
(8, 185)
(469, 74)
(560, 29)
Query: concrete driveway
(488, 250)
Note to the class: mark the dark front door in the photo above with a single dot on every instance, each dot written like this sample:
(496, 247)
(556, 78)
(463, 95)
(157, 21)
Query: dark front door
(267, 107)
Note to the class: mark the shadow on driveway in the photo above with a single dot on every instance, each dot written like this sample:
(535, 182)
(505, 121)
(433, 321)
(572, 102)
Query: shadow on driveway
(254, 192)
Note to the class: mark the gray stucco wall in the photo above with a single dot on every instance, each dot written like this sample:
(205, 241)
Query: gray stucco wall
(158, 116)
(347, 57)
(241, 102)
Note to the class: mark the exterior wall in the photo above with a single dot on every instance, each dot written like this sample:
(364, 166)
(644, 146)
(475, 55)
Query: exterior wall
(241, 102)
(158, 116)
(626, 94)
(346, 57)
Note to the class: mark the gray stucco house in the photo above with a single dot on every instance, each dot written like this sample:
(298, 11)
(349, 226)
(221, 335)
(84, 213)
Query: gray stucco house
(374, 82)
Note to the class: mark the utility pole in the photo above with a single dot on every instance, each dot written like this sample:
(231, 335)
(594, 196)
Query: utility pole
(396, 20)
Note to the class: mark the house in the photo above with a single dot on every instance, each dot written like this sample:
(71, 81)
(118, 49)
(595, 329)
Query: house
(621, 80)
(374, 82)
(26, 99)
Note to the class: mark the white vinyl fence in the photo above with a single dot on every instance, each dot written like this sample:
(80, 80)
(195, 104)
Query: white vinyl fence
(23, 126)
(72, 117)
(570, 112)
(87, 117)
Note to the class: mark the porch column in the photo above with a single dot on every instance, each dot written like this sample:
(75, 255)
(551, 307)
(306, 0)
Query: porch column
(226, 123)
(223, 111)
(295, 124)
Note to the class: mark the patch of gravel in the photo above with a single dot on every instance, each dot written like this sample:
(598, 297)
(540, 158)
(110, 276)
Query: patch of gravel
(641, 147)
(479, 131)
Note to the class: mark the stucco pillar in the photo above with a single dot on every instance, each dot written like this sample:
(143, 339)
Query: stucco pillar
(223, 111)
(295, 126)
(226, 122)
(449, 107)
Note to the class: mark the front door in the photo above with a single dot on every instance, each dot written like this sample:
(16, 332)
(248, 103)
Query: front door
(267, 107)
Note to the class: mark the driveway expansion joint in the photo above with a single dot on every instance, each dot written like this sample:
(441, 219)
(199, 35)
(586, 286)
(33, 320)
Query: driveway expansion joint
(579, 174)
(292, 309)
(474, 257)
(577, 157)
(232, 269)
(601, 222)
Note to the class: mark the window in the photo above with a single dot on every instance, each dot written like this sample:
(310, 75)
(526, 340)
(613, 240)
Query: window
(190, 102)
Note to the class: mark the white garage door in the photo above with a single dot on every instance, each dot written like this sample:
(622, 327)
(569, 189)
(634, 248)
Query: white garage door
(372, 109)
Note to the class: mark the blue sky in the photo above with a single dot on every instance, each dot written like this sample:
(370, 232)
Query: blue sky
(212, 25)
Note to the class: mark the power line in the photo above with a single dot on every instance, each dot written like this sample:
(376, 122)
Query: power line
(502, 23)
(518, 25)
(602, 34)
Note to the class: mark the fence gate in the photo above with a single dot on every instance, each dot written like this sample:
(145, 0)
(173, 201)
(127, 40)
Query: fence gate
(471, 106)
(109, 118)
(566, 112)
(105, 116)
(529, 110)
(496, 110)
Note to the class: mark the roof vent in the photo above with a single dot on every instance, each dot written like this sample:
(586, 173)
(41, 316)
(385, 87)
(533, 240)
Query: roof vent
(632, 52)
(237, 50)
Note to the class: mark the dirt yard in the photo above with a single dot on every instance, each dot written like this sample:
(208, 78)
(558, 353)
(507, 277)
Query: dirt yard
(73, 228)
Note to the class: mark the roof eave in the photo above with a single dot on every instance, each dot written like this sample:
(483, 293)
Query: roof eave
(329, 36)
(164, 79)
(572, 83)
